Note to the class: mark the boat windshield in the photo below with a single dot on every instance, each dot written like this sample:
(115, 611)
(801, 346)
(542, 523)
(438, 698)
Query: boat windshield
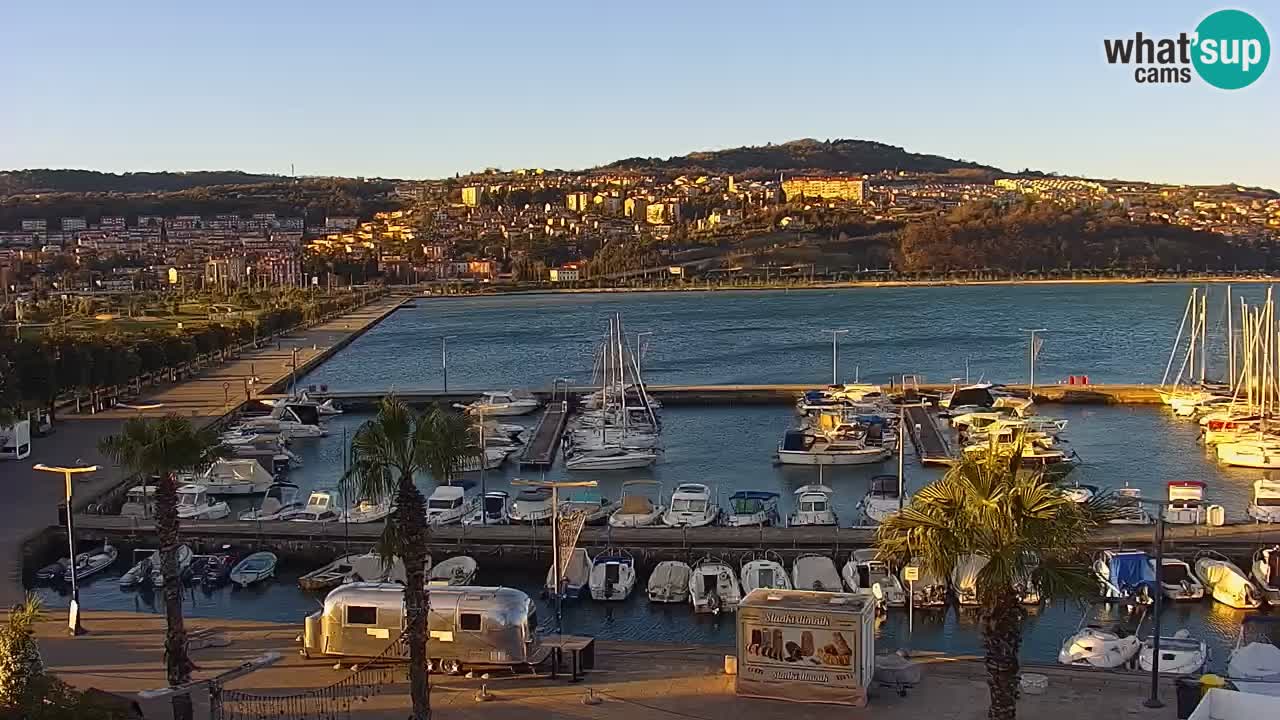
(189, 498)
(748, 506)
(688, 505)
(813, 506)
(1267, 501)
(446, 504)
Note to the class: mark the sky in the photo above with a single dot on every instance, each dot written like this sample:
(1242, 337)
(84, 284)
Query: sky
(429, 88)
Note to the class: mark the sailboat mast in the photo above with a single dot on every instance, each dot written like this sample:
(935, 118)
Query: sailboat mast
(1231, 346)
(622, 379)
(1204, 331)
(1177, 340)
(1195, 333)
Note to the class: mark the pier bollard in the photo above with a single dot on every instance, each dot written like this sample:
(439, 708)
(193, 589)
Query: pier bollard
(590, 698)
(483, 694)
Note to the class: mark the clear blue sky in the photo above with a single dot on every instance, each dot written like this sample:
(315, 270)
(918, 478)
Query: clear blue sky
(426, 88)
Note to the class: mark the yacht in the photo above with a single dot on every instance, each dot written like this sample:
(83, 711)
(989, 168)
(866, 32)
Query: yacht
(764, 571)
(576, 578)
(613, 575)
(804, 447)
(1180, 654)
(1129, 510)
(813, 506)
(293, 421)
(638, 508)
(669, 582)
(449, 504)
(610, 458)
(691, 506)
(882, 499)
(864, 573)
(713, 587)
(505, 403)
(1186, 503)
(815, 572)
(281, 500)
(1177, 581)
(752, 508)
(1263, 453)
(495, 509)
(1227, 583)
(238, 476)
(1125, 575)
(1265, 506)
(304, 399)
(319, 508)
(368, 510)
(194, 504)
(1266, 573)
(532, 506)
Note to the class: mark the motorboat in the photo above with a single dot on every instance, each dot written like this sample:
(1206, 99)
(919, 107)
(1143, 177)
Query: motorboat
(254, 568)
(1263, 453)
(865, 573)
(882, 498)
(319, 508)
(449, 504)
(964, 578)
(713, 587)
(928, 590)
(597, 510)
(504, 403)
(969, 397)
(1227, 429)
(365, 567)
(1126, 575)
(815, 572)
(494, 509)
(183, 557)
(1227, 583)
(752, 508)
(140, 571)
(1266, 573)
(576, 578)
(215, 570)
(493, 459)
(613, 575)
(1177, 581)
(1186, 503)
(194, 503)
(1128, 509)
(532, 506)
(1095, 647)
(90, 563)
(669, 582)
(458, 570)
(805, 447)
(638, 508)
(367, 510)
(1053, 463)
(303, 399)
(610, 458)
(330, 575)
(1265, 506)
(764, 571)
(280, 501)
(234, 476)
(139, 502)
(288, 419)
(1180, 654)
(691, 506)
(813, 506)
(630, 438)
(1254, 667)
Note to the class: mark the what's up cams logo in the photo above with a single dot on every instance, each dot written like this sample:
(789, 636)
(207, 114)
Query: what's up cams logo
(1229, 50)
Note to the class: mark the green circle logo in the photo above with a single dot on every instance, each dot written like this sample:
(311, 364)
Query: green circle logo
(1232, 49)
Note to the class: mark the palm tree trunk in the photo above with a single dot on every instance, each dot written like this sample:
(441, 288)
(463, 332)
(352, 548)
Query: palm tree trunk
(412, 516)
(177, 664)
(1002, 620)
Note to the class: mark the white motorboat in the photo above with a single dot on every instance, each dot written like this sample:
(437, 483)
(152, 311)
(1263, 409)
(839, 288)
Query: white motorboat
(90, 563)
(805, 447)
(1254, 667)
(813, 506)
(577, 575)
(532, 506)
(367, 510)
(140, 572)
(366, 567)
(183, 555)
(1180, 654)
(304, 399)
(1263, 453)
(669, 582)
(628, 438)
(503, 403)
(598, 510)
(281, 500)
(493, 459)
(459, 570)
(254, 568)
(1227, 583)
(1094, 647)
(613, 575)
(1077, 493)
(1186, 503)
(764, 571)
(1129, 510)
(864, 573)
(319, 508)
(610, 458)
(330, 575)
(691, 506)
(928, 590)
(1126, 575)
(293, 421)
(1177, 581)
(638, 508)
(1265, 506)
(139, 502)
(964, 578)
(815, 572)
(883, 499)
(235, 476)
(713, 587)
(1228, 429)
(194, 503)
(752, 508)
(449, 504)
(1266, 573)
(495, 509)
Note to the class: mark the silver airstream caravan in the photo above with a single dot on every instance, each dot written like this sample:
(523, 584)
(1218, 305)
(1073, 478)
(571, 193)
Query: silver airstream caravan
(469, 626)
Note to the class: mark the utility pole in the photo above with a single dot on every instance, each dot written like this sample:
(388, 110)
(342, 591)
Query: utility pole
(1032, 352)
(444, 357)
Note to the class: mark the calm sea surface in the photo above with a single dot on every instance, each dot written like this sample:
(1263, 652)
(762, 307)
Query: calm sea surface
(1112, 333)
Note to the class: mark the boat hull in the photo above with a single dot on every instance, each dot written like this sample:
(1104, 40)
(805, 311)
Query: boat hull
(800, 457)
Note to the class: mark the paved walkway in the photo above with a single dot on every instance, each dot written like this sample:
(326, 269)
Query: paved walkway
(31, 497)
(123, 654)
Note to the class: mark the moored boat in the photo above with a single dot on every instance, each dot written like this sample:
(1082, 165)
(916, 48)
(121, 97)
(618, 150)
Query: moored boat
(639, 508)
(91, 563)
(813, 506)
(866, 573)
(691, 506)
(1254, 667)
(764, 570)
(281, 500)
(752, 508)
(964, 578)
(254, 569)
(613, 574)
(1180, 654)
(669, 582)
(194, 503)
(458, 570)
(1266, 573)
(1177, 581)
(713, 587)
(1125, 575)
(883, 498)
(576, 577)
(503, 403)
(449, 504)
(1265, 506)
(815, 572)
(1227, 583)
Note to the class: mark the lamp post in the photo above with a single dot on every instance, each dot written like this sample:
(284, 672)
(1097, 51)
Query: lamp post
(444, 358)
(1154, 701)
(1031, 354)
(73, 617)
(484, 490)
(835, 352)
(557, 581)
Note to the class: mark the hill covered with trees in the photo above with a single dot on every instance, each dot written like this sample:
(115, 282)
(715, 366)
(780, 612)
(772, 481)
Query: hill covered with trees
(56, 181)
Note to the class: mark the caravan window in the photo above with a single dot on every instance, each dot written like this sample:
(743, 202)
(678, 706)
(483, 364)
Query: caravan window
(362, 615)
(468, 621)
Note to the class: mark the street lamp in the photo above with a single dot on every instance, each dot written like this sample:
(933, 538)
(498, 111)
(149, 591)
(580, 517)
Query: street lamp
(73, 617)
(834, 356)
(1154, 701)
(444, 358)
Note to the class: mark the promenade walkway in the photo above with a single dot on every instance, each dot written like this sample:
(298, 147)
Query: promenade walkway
(31, 498)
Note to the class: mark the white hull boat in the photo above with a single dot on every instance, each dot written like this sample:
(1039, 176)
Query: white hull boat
(864, 573)
(638, 509)
(882, 499)
(238, 476)
(493, 459)
(1254, 667)
(764, 573)
(495, 509)
(752, 508)
(460, 570)
(669, 582)
(713, 587)
(449, 504)
(1263, 454)
(319, 509)
(503, 404)
(1180, 654)
(1129, 510)
(1098, 648)
(194, 504)
(280, 501)
(815, 572)
(1266, 573)
(1227, 583)
(1177, 581)
(610, 458)
(577, 575)
(253, 569)
(367, 511)
(813, 506)
(184, 558)
(613, 575)
(141, 570)
(532, 506)
(691, 506)
(804, 448)
(91, 563)
(1265, 506)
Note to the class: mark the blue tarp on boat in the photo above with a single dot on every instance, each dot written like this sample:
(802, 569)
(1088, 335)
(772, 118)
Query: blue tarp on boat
(1130, 571)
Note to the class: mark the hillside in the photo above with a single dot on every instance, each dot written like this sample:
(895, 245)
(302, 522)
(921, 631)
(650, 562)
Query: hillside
(80, 181)
(832, 156)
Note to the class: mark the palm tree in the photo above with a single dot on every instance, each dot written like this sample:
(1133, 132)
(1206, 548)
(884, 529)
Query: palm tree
(161, 448)
(387, 453)
(1023, 525)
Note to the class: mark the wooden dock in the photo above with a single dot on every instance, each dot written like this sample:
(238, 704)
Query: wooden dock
(540, 453)
(931, 447)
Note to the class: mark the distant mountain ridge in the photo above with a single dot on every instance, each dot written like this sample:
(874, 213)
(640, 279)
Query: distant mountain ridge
(77, 181)
(807, 155)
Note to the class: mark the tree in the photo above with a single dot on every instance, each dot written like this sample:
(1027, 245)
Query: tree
(162, 448)
(387, 452)
(20, 663)
(1027, 529)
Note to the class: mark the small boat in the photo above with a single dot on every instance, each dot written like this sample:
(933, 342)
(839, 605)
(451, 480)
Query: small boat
(1126, 575)
(813, 506)
(289, 420)
(638, 509)
(140, 572)
(319, 508)
(194, 503)
(53, 571)
(1094, 647)
(493, 459)
(613, 574)
(1262, 453)
(964, 578)
(367, 510)
(91, 563)
(532, 506)
(576, 578)
(184, 558)
(255, 568)
(752, 508)
(765, 571)
(1180, 654)
(691, 506)
(494, 509)
(1254, 667)
(1265, 506)
(864, 573)
(330, 575)
(217, 569)
(1227, 583)
(928, 590)
(713, 587)
(669, 582)
(1177, 581)
(281, 500)
(449, 504)
(815, 572)
(882, 499)
(1078, 493)
(805, 447)
(459, 570)
(139, 502)
(508, 403)
(1186, 503)
(610, 458)
(234, 476)
(1266, 573)
(598, 509)
(1129, 510)
(304, 399)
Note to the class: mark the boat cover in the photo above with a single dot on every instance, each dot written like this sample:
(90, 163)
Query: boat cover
(1130, 571)
(1256, 661)
(636, 505)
